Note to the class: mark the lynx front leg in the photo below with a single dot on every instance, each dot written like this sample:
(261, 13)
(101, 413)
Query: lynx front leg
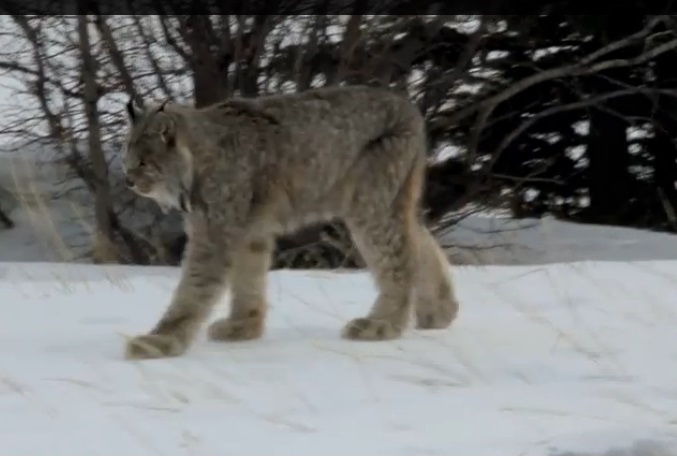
(249, 303)
(204, 279)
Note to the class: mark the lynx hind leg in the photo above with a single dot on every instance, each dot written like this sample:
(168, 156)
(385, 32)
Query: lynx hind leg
(249, 305)
(435, 298)
(383, 223)
(387, 249)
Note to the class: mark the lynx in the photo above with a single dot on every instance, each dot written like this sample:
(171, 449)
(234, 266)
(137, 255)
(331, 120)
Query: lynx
(246, 171)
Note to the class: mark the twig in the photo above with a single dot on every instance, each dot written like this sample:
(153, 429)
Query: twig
(584, 67)
(574, 106)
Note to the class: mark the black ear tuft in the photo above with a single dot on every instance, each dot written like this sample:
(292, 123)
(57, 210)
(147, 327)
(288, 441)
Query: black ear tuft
(131, 109)
(168, 132)
(162, 106)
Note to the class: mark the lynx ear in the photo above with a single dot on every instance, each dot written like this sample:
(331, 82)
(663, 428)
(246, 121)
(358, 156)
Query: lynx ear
(133, 110)
(168, 130)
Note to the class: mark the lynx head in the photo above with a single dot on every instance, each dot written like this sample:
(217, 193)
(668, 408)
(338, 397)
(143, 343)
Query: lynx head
(156, 163)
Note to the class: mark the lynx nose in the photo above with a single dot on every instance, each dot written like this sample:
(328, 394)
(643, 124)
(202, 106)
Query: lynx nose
(129, 182)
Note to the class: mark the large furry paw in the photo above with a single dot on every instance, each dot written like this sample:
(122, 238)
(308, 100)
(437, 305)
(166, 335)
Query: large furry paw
(229, 330)
(370, 329)
(439, 317)
(151, 346)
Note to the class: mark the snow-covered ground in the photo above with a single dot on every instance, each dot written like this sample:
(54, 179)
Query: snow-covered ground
(499, 240)
(574, 358)
(564, 345)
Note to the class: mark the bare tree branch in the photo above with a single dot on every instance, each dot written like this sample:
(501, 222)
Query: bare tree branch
(583, 67)
(575, 106)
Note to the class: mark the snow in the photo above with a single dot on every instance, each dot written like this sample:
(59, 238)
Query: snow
(565, 358)
(499, 240)
(564, 345)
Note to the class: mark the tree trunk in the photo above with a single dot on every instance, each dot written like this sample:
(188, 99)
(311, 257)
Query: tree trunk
(608, 148)
(104, 231)
(609, 162)
(210, 76)
(664, 147)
